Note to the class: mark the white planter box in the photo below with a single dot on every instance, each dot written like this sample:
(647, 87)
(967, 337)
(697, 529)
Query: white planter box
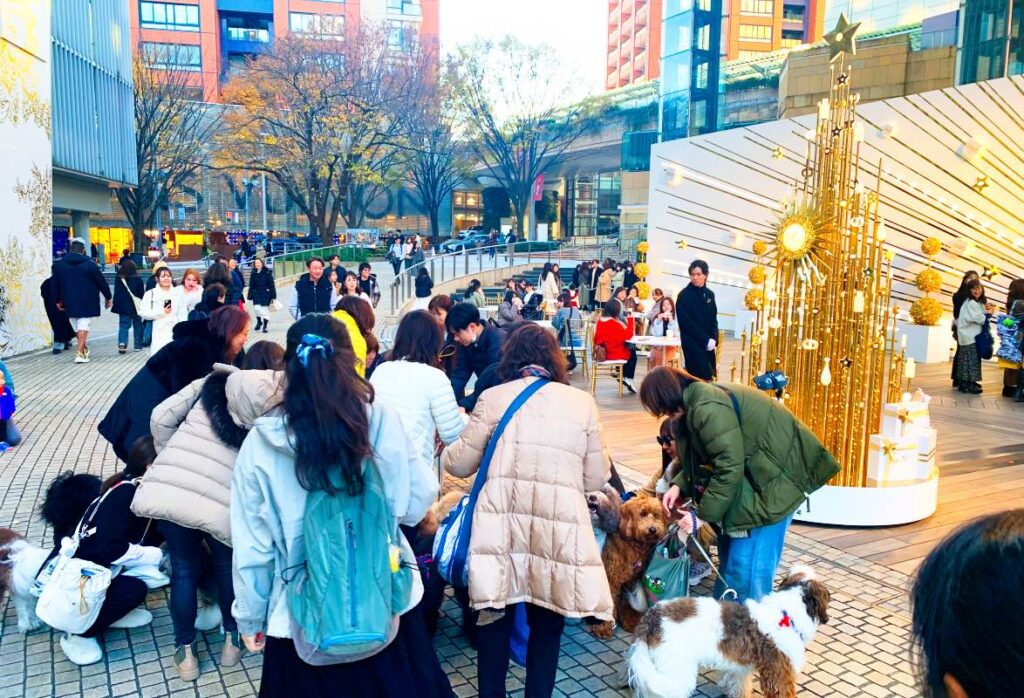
(929, 344)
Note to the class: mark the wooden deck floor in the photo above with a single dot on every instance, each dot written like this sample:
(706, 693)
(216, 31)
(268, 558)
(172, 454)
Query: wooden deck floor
(980, 456)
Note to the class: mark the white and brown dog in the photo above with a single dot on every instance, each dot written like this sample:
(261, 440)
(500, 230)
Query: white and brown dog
(19, 563)
(676, 639)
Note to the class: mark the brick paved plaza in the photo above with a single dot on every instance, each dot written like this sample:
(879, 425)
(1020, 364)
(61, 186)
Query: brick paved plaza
(861, 652)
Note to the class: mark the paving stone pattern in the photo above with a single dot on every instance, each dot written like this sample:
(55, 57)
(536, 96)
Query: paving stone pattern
(862, 652)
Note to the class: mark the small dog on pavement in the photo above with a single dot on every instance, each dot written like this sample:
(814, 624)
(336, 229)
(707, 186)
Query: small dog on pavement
(678, 638)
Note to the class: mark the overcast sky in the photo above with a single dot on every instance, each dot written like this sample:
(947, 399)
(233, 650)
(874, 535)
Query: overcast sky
(577, 29)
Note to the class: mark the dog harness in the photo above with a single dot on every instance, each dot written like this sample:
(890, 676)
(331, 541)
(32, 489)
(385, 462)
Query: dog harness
(787, 622)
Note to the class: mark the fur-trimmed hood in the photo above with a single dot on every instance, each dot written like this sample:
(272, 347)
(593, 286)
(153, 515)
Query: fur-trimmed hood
(197, 434)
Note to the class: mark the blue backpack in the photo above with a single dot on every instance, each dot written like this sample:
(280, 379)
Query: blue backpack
(345, 602)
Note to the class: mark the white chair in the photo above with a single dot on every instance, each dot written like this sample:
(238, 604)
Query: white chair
(577, 327)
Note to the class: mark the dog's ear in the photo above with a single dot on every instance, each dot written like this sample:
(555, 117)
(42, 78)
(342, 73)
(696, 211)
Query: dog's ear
(627, 522)
(816, 599)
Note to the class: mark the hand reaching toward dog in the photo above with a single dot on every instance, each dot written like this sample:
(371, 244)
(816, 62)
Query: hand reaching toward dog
(671, 500)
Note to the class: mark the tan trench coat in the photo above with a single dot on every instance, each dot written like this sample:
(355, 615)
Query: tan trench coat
(532, 539)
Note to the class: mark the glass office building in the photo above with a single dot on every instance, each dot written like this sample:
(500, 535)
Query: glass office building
(987, 49)
(879, 15)
(693, 49)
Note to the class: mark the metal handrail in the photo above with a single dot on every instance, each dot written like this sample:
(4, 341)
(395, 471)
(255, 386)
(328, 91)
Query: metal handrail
(403, 284)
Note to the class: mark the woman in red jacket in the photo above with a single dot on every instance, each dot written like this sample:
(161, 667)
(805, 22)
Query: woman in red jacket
(615, 335)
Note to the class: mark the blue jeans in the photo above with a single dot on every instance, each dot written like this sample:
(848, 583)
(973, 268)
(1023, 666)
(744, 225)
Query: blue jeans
(749, 564)
(186, 552)
(126, 322)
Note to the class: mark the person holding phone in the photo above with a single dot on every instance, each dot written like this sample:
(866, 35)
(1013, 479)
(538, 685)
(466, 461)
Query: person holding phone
(163, 305)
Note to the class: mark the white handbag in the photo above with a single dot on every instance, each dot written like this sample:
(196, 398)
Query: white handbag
(276, 305)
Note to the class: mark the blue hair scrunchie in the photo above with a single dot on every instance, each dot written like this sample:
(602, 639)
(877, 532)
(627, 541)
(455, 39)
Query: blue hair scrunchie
(311, 343)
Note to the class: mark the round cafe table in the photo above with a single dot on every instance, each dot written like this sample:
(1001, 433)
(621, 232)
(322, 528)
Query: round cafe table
(651, 341)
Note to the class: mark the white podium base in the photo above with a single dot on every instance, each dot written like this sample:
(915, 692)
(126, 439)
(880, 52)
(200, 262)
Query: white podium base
(870, 506)
(929, 344)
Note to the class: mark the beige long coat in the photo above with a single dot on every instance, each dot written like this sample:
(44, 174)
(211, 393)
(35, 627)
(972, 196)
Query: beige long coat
(604, 286)
(189, 483)
(532, 539)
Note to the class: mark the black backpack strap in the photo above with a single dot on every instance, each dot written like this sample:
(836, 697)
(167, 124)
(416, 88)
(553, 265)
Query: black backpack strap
(735, 403)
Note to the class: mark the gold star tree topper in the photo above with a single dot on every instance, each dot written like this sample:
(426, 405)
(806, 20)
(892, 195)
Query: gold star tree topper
(841, 39)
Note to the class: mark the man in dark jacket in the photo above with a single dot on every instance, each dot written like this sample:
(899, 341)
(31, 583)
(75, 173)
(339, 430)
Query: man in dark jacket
(312, 291)
(76, 282)
(478, 345)
(697, 314)
(591, 277)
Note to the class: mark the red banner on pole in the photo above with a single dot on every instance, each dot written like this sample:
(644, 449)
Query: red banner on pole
(538, 188)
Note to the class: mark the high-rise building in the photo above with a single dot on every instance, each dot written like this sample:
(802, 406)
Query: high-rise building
(700, 35)
(987, 50)
(880, 15)
(634, 42)
(211, 37)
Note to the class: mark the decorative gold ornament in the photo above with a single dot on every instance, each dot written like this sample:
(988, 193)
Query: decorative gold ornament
(757, 275)
(641, 270)
(643, 289)
(926, 311)
(889, 255)
(760, 247)
(809, 344)
(777, 152)
(642, 247)
(841, 39)
(991, 272)
(797, 233)
(681, 245)
(931, 247)
(929, 281)
(754, 299)
(980, 184)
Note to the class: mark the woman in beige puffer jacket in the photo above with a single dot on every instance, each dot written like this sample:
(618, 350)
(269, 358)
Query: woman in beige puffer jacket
(197, 433)
(532, 540)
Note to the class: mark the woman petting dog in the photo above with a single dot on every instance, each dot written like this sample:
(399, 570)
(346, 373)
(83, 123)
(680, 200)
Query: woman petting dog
(745, 465)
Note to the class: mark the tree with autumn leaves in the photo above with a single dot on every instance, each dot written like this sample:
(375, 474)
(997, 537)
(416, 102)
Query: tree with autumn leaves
(325, 116)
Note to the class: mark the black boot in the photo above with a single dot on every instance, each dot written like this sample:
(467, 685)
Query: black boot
(259, 323)
(266, 324)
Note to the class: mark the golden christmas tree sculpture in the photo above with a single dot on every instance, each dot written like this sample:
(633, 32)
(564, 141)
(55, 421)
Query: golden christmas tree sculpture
(826, 320)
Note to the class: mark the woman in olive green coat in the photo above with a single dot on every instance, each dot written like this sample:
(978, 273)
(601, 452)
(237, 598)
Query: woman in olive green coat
(745, 462)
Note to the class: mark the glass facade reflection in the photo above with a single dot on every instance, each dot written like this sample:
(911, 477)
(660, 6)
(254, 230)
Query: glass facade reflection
(986, 47)
(692, 51)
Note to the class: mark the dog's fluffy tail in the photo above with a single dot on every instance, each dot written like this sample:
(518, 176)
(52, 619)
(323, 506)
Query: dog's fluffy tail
(644, 677)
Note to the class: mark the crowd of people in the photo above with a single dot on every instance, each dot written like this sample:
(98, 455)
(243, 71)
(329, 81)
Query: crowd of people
(248, 456)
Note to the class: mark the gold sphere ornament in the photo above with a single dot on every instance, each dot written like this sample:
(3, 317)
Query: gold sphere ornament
(929, 281)
(757, 275)
(643, 289)
(760, 247)
(926, 311)
(754, 300)
(642, 247)
(641, 270)
(931, 247)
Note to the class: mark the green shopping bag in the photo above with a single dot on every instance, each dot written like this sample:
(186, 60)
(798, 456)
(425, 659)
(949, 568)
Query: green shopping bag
(668, 573)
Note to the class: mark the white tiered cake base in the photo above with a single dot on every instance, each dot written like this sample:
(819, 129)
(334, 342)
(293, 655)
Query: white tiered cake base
(870, 506)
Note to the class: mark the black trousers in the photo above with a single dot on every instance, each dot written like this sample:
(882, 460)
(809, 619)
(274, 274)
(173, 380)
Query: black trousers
(629, 370)
(123, 595)
(541, 653)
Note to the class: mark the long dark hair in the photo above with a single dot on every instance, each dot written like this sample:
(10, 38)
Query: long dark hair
(661, 393)
(325, 401)
(473, 287)
(419, 339)
(227, 321)
(963, 599)
(528, 345)
(217, 273)
(140, 457)
(361, 312)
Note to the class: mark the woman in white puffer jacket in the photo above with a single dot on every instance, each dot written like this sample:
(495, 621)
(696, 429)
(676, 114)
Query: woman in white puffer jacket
(411, 383)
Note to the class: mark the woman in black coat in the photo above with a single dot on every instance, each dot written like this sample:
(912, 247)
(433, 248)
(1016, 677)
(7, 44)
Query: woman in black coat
(262, 293)
(697, 314)
(128, 290)
(196, 347)
(63, 333)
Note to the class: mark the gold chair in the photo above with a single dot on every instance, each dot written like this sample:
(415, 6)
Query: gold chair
(612, 369)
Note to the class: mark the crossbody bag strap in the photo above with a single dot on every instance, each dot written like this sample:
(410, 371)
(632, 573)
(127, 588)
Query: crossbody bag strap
(83, 530)
(481, 473)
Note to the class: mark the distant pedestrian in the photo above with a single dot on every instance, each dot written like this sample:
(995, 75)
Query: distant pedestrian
(77, 286)
(396, 255)
(424, 289)
(368, 283)
(60, 326)
(262, 292)
(236, 291)
(13, 437)
(128, 292)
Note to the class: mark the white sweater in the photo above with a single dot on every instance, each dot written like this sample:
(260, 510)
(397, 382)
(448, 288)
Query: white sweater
(151, 307)
(423, 398)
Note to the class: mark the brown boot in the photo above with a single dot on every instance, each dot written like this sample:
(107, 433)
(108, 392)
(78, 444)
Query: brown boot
(231, 653)
(186, 662)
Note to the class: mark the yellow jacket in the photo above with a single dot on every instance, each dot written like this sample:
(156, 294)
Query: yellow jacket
(356, 337)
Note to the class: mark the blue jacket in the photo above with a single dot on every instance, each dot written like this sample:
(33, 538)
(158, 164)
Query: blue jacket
(77, 283)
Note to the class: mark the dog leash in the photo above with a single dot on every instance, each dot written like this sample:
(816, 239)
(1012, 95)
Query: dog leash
(728, 589)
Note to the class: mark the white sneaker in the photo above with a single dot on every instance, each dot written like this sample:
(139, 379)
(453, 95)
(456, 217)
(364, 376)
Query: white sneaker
(208, 618)
(81, 650)
(81, 358)
(135, 618)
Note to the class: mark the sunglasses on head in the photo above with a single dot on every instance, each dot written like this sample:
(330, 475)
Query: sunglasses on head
(664, 440)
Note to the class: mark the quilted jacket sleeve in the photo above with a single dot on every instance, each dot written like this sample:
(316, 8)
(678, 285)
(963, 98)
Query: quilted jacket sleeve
(597, 463)
(169, 414)
(448, 420)
(462, 458)
(715, 425)
(253, 542)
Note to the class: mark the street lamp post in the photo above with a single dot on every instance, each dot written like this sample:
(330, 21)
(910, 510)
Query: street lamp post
(248, 183)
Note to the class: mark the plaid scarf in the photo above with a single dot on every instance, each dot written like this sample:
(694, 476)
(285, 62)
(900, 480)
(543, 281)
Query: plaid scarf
(535, 371)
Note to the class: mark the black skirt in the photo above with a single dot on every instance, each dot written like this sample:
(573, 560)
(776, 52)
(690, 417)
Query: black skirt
(407, 668)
